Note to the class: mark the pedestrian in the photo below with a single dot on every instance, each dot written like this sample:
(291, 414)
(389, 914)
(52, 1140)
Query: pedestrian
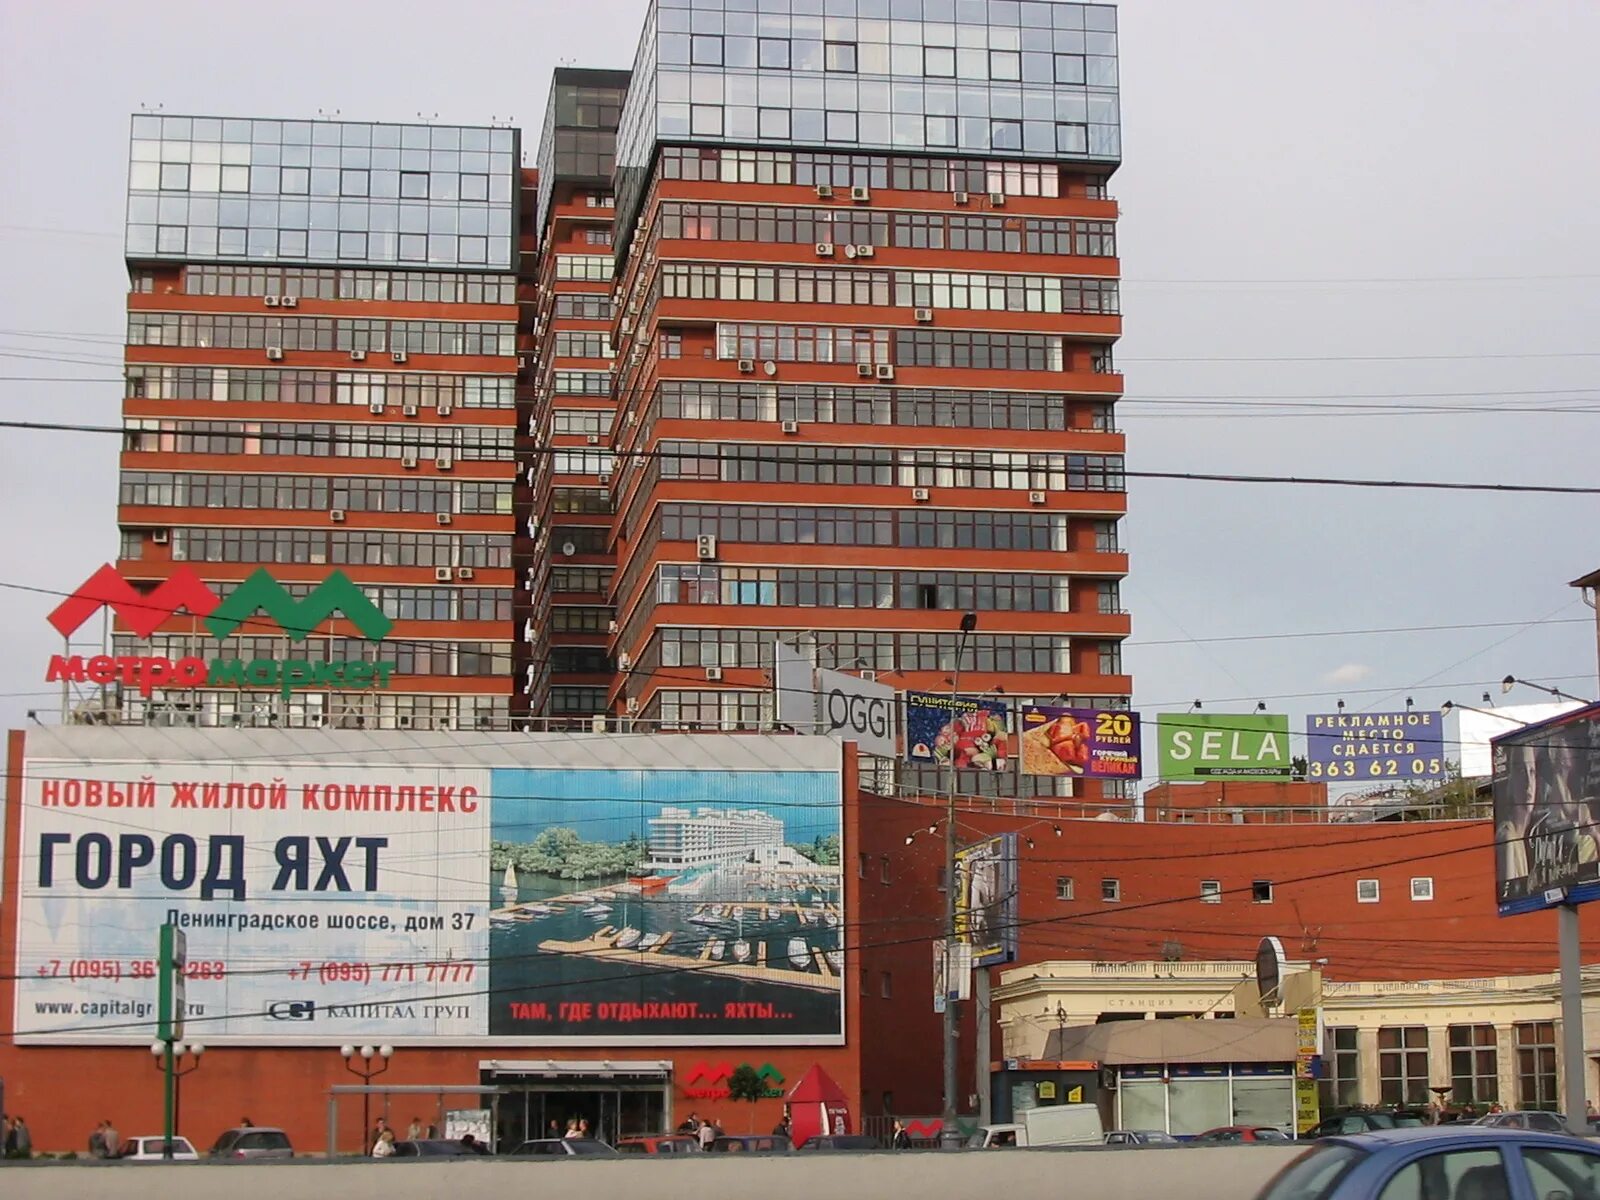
(6, 1140)
(902, 1137)
(583, 1127)
(691, 1124)
(97, 1141)
(415, 1130)
(783, 1129)
(572, 1129)
(707, 1134)
(19, 1142)
(113, 1140)
(378, 1130)
(246, 1123)
(553, 1130)
(472, 1144)
(383, 1147)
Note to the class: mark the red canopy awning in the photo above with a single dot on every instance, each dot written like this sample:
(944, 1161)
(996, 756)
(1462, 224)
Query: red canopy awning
(816, 1086)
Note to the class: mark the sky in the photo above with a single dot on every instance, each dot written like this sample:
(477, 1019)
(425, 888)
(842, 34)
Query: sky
(1331, 216)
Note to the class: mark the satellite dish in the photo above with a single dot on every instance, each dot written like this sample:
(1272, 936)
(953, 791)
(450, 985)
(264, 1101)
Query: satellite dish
(568, 549)
(1270, 965)
(770, 367)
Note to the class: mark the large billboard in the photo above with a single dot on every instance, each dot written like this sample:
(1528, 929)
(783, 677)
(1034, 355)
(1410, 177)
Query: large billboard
(1380, 745)
(1091, 743)
(973, 730)
(531, 889)
(856, 710)
(1198, 746)
(1476, 728)
(986, 899)
(1547, 813)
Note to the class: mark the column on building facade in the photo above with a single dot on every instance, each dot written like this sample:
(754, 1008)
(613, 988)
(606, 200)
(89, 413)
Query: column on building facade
(1438, 1056)
(1368, 1088)
(1505, 1040)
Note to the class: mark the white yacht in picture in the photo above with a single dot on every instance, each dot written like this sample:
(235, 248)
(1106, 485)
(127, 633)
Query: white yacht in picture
(799, 953)
(716, 950)
(628, 938)
(508, 884)
(597, 910)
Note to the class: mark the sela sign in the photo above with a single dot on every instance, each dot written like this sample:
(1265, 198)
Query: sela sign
(1195, 746)
(145, 613)
(856, 710)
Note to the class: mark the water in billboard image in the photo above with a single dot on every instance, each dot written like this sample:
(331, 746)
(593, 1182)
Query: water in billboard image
(666, 904)
(1089, 742)
(986, 899)
(1547, 812)
(975, 730)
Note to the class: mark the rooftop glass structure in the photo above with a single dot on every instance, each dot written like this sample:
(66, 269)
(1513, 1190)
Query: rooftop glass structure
(579, 139)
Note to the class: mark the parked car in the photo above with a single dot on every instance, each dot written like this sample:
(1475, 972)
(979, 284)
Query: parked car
(1461, 1162)
(437, 1148)
(1543, 1122)
(153, 1149)
(841, 1141)
(252, 1141)
(564, 1147)
(751, 1143)
(1140, 1137)
(660, 1143)
(1362, 1122)
(1240, 1133)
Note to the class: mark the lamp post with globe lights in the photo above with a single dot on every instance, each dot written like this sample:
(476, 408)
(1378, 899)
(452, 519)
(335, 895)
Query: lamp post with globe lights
(159, 1052)
(367, 1072)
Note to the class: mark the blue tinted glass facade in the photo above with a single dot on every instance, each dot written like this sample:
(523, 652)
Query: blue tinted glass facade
(210, 189)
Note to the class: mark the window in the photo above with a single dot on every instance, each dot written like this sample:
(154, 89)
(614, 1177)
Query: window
(1467, 1174)
(939, 61)
(883, 870)
(669, 345)
(1536, 1064)
(1261, 891)
(1072, 138)
(1069, 68)
(352, 182)
(772, 122)
(1403, 1064)
(887, 982)
(1422, 887)
(413, 185)
(1367, 891)
(1562, 1172)
(773, 54)
(1111, 659)
(839, 56)
(1341, 1063)
(705, 120)
(705, 50)
(841, 126)
(1211, 891)
(1474, 1064)
(861, 865)
(1005, 64)
(1005, 135)
(1111, 890)
(294, 181)
(1063, 887)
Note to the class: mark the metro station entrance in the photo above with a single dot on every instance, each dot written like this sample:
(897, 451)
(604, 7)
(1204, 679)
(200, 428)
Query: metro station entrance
(537, 1099)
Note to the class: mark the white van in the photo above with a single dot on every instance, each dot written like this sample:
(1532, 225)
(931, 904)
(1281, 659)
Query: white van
(1051, 1125)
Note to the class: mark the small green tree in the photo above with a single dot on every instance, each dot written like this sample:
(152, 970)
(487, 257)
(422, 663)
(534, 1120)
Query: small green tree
(746, 1084)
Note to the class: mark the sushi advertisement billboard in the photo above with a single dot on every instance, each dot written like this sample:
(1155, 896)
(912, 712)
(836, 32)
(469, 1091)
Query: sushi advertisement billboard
(541, 890)
(1090, 743)
(976, 730)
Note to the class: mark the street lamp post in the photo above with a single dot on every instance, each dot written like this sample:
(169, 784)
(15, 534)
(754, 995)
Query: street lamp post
(367, 1072)
(949, 1134)
(159, 1052)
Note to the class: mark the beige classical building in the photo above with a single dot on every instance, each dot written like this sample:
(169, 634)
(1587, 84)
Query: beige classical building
(1485, 1040)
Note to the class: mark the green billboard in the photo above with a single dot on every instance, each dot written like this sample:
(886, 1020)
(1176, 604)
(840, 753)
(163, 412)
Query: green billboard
(1193, 746)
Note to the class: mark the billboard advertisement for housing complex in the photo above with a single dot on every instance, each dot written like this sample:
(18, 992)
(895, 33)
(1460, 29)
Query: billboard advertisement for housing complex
(357, 897)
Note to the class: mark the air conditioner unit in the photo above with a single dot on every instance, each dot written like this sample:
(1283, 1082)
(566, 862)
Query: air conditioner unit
(850, 251)
(919, 493)
(408, 410)
(705, 546)
(336, 515)
(442, 574)
(445, 410)
(443, 518)
(869, 676)
(597, 723)
(612, 627)
(860, 194)
(270, 301)
(791, 427)
(399, 356)
(1036, 497)
(160, 536)
(289, 301)
(376, 408)
(465, 573)
(885, 371)
(824, 192)
(626, 326)
(603, 480)
(866, 250)
(443, 463)
(824, 249)
(633, 704)
(594, 439)
(962, 198)
(624, 662)
(747, 366)
(408, 463)
(403, 721)
(923, 315)
(714, 674)
(864, 370)
(997, 199)
(358, 356)
(275, 353)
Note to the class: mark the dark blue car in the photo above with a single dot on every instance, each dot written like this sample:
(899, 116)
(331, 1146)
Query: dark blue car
(1471, 1162)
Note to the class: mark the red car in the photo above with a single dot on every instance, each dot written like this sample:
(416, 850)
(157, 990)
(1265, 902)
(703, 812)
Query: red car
(665, 1143)
(1240, 1133)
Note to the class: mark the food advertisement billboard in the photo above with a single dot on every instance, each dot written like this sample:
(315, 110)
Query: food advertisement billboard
(1091, 743)
(976, 730)
(1547, 813)
(546, 890)
(1380, 745)
(1197, 746)
(986, 899)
